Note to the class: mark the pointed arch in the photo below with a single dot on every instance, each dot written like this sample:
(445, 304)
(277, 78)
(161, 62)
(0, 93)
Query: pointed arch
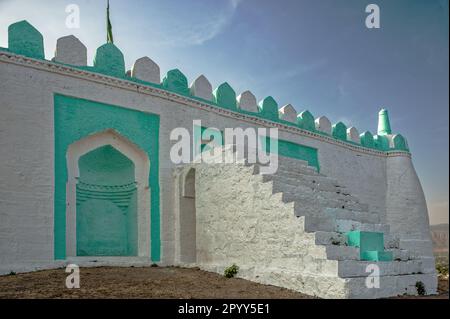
(141, 176)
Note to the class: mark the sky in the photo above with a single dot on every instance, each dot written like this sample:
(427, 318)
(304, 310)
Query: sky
(314, 54)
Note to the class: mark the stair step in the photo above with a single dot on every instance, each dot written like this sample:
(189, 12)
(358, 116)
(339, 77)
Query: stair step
(329, 238)
(363, 217)
(280, 187)
(320, 222)
(340, 251)
(351, 268)
(283, 183)
(300, 171)
(335, 252)
(295, 165)
(347, 225)
(390, 286)
(308, 178)
(303, 202)
(340, 239)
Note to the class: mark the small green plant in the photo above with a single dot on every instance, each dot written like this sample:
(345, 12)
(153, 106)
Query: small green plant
(12, 273)
(231, 271)
(420, 288)
(154, 265)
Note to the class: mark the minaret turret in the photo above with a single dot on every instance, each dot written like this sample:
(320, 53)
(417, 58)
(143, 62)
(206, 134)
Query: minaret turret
(384, 127)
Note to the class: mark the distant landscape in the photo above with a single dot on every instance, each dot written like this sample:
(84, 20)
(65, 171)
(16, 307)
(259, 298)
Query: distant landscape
(439, 235)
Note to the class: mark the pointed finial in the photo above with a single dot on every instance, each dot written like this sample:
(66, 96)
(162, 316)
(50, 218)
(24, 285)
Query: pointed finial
(384, 126)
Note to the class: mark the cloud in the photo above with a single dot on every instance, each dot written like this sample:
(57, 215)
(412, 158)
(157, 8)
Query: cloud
(235, 3)
(196, 34)
(199, 30)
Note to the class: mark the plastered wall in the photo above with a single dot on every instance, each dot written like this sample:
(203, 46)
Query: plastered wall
(27, 156)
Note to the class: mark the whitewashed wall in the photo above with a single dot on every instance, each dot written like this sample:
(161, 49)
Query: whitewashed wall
(27, 155)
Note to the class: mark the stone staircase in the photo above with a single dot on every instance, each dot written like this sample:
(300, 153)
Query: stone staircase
(329, 265)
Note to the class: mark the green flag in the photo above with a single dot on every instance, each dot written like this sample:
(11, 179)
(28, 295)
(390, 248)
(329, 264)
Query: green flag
(109, 38)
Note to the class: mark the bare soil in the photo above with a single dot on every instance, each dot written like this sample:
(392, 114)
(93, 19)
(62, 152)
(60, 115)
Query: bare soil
(149, 282)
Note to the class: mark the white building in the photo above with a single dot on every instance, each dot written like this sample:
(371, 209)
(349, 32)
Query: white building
(86, 175)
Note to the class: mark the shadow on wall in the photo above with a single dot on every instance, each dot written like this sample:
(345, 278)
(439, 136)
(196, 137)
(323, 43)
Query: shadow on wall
(188, 252)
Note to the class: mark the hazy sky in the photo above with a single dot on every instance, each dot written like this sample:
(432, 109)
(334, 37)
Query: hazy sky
(315, 54)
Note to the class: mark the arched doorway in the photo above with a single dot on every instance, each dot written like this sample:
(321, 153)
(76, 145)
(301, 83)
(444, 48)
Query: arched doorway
(106, 204)
(108, 197)
(187, 218)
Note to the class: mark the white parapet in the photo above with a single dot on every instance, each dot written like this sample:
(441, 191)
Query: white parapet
(70, 50)
(353, 135)
(288, 113)
(323, 124)
(146, 70)
(201, 88)
(247, 101)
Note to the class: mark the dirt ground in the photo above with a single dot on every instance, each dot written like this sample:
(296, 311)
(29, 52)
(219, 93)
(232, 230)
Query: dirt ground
(157, 282)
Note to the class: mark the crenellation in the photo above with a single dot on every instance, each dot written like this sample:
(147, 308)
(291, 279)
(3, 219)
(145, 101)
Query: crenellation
(353, 135)
(340, 131)
(306, 121)
(70, 50)
(268, 108)
(381, 142)
(24, 39)
(145, 69)
(323, 124)
(288, 113)
(225, 96)
(400, 142)
(247, 102)
(366, 139)
(176, 81)
(109, 60)
(201, 88)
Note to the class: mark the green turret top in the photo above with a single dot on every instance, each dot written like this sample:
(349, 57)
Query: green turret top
(384, 127)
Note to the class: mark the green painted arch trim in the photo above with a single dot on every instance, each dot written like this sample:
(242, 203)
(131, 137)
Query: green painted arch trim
(305, 120)
(24, 39)
(340, 131)
(109, 60)
(268, 109)
(224, 96)
(75, 119)
(176, 81)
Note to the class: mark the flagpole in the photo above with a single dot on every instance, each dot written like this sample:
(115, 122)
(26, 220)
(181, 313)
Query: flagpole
(109, 36)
